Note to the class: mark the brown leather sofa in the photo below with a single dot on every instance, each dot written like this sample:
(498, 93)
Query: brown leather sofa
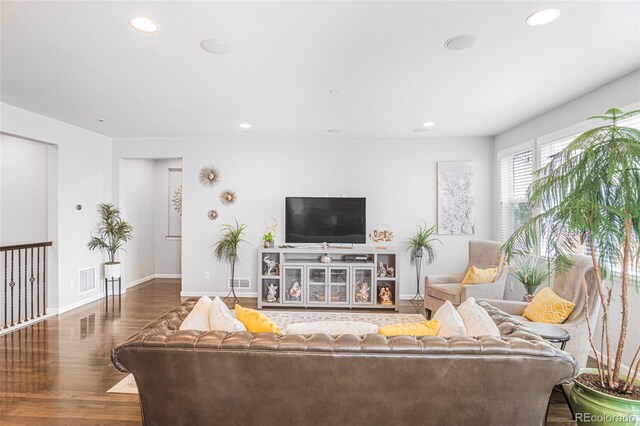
(193, 378)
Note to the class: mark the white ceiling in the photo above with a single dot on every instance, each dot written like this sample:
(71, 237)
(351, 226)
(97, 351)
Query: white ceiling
(79, 61)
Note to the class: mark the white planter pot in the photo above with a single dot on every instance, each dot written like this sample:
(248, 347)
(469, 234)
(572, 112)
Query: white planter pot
(112, 271)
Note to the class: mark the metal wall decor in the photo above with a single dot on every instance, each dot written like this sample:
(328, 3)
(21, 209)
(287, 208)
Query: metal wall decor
(209, 175)
(380, 235)
(212, 214)
(228, 197)
(176, 200)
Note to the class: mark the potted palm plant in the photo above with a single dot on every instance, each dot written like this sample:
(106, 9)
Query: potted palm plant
(589, 193)
(421, 250)
(226, 249)
(113, 232)
(530, 273)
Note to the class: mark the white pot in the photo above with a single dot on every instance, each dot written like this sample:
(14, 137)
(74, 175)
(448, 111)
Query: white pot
(111, 271)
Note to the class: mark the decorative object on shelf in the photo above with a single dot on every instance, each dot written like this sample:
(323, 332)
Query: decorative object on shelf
(268, 239)
(209, 175)
(271, 265)
(228, 197)
(272, 293)
(325, 246)
(385, 296)
(176, 200)
(385, 270)
(421, 250)
(528, 271)
(325, 258)
(455, 197)
(296, 292)
(381, 234)
(592, 188)
(363, 291)
(212, 214)
(226, 250)
(319, 296)
(113, 232)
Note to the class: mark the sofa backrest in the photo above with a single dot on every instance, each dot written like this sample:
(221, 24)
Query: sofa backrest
(190, 377)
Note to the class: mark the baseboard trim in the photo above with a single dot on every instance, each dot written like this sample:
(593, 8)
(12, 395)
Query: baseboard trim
(139, 281)
(624, 368)
(75, 305)
(173, 276)
(27, 323)
(407, 296)
(217, 293)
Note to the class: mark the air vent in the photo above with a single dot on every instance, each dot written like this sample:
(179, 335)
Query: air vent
(87, 280)
(240, 283)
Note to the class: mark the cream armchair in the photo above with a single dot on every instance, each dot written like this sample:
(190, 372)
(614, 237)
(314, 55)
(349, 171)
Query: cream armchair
(569, 287)
(440, 288)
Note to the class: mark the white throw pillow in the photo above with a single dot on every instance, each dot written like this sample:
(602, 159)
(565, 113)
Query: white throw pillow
(220, 318)
(358, 328)
(476, 320)
(198, 318)
(451, 323)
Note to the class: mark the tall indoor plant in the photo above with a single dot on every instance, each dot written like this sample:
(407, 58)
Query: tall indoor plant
(113, 232)
(226, 249)
(421, 250)
(589, 192)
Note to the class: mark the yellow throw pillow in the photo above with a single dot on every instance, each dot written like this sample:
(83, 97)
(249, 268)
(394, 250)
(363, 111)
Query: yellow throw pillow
(255, 321)
(480, 276)
(422, 328)
(548, 307)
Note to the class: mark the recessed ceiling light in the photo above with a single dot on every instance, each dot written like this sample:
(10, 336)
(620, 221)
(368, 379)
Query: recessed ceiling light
(461, 42)
(420, 130)
(215, 46)
(144, 24)
(336, 91)
(428, 124)
(245, 126)
(100, 120)
(334, 131)
(543, 17)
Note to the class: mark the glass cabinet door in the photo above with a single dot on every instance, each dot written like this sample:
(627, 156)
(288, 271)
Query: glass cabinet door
(362, 286)
(317, 285)
(293, 285)
(339, 285)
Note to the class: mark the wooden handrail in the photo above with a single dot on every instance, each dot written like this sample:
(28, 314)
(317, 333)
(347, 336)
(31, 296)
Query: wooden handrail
(25, 246)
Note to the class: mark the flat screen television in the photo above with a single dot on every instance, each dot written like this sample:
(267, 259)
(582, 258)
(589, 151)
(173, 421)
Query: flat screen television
(325, 220)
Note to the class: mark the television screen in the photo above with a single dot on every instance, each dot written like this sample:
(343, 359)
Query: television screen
(325, 220)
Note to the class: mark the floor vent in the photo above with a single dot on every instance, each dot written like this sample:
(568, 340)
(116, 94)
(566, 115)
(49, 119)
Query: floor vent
(87, 280)
(240, 283)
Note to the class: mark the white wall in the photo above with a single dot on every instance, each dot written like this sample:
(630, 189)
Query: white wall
(23, 190)
(167, 250)
(566, 120)
(398, 177)
(139, 211)
(83, 177)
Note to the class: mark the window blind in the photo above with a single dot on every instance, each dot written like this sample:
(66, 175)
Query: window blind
(515, 177)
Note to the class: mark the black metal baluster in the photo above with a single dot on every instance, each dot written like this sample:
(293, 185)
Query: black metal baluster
(44, 281)
(31, 280)
(5, 291)
(26, 298)
(19, 286)
(38, 280)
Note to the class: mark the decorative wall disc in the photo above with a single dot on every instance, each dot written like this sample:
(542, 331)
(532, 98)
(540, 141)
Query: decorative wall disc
(381, 234)
(209, 175)
(228, 197)
(177, 200)
(212, 214)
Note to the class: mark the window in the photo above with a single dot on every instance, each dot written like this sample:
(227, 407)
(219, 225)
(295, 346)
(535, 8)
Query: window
(515, 177)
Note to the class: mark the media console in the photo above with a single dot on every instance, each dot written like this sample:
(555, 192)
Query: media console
(296, 277)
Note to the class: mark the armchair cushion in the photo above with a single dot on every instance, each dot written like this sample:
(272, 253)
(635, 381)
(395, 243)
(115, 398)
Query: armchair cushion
(443, 279)
(450, 292)
(548, 307)
(479, 276)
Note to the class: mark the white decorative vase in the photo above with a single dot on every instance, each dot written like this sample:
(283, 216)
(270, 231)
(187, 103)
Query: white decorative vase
(112, 271)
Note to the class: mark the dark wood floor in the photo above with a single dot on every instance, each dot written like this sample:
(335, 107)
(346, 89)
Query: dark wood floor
(57, 372)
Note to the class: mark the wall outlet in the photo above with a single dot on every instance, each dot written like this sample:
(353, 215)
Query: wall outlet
(207, 275)
(72, 285)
